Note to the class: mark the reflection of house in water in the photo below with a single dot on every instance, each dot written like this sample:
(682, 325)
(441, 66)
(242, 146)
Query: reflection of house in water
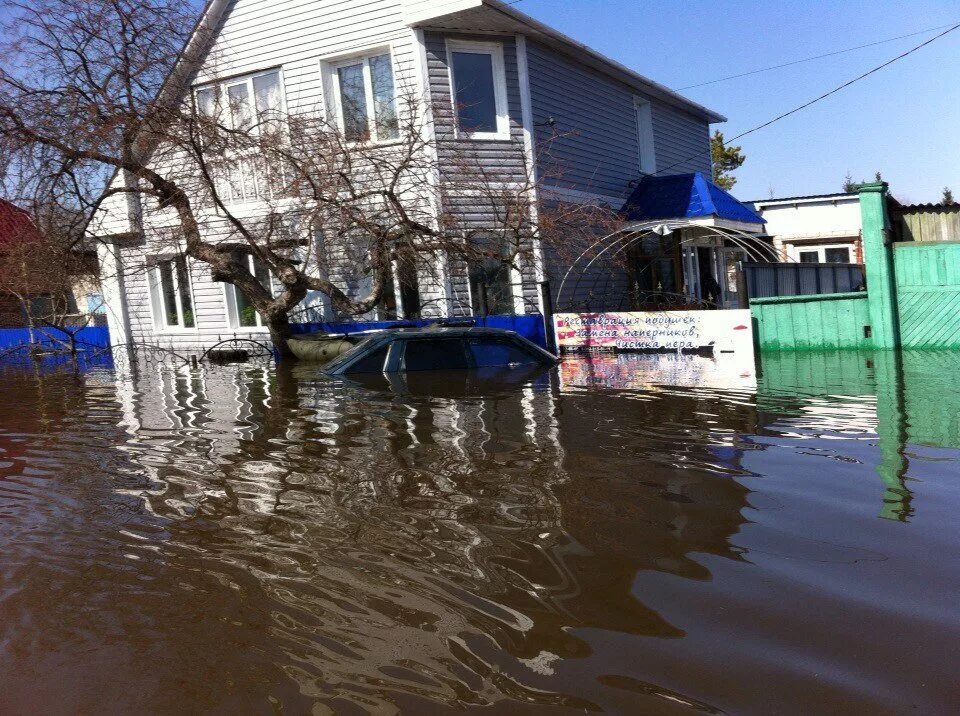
(649, 485)
(518, 512)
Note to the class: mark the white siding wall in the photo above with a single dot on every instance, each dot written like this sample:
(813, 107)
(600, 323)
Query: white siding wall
(830, 219)
(294, 35)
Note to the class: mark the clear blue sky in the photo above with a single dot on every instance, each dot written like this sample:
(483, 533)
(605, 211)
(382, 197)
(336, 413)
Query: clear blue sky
(903, 121)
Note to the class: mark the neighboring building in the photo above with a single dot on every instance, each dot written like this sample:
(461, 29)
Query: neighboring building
(823, 228)
(606, 127)
(16, 228)
(82, 297)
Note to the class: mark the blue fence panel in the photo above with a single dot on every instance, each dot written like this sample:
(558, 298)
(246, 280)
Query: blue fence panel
(530, 327)
(91, 337)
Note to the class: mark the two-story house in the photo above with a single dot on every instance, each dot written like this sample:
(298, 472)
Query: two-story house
(528, 86)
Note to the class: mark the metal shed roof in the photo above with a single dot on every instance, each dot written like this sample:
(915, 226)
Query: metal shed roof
(685, 196)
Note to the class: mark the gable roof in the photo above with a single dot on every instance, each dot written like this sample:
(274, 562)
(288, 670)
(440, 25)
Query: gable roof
(16, 226)
(431, 13)
(685, 196)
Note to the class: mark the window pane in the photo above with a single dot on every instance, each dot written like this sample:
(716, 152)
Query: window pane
(239, 98)
(168, 293)
(384, 107)
(206, 101)
(809, 257)
(266, 90)
(353, 102)
(490, 287)
(493, 352)
(442, 354)
(262, 274)
(474, 92)
(372, 363)
(183, 283)
(246, 313)
(837, 256)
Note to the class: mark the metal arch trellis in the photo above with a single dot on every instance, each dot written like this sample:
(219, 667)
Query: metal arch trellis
(618, 242)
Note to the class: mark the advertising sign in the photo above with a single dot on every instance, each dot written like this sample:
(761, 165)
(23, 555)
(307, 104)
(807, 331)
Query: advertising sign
(724, 331)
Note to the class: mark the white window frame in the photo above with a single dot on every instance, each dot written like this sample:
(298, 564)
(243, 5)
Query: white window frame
(222, 87)
(233, 308)
(495, 50)
(158, 301)
(821, 250)
(330, 67)
(647, 159)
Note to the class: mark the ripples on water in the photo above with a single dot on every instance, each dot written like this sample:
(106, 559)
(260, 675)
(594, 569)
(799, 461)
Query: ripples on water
(252, 539)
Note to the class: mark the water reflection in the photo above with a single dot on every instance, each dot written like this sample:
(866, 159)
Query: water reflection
(248, 537)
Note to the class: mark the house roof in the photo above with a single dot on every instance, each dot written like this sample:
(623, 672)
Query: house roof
(444, 15)
(685, 196)
(16, 226)
(907, 208)
(809, 197)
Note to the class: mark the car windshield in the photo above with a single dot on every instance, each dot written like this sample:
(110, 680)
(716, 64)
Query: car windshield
(352, 353)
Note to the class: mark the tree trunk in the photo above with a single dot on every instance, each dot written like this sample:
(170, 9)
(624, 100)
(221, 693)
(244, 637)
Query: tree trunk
(280, 333)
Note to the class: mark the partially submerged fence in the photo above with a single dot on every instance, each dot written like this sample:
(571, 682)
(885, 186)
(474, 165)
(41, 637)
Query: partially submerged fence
(912, 301)
(16, 343)
(92, 336)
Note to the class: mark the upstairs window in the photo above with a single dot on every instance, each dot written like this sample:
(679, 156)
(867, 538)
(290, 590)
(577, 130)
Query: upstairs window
(479, 89)
(170, 294)
(364, 98)
(252, 105)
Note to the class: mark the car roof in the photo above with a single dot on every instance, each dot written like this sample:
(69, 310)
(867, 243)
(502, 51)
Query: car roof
(444, 332)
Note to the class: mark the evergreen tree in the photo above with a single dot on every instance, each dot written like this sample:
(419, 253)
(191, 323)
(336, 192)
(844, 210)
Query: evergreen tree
(726, 160)
(947, 199)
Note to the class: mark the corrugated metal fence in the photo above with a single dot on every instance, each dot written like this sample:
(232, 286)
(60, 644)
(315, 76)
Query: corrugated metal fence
(90, 337)
(768, 280)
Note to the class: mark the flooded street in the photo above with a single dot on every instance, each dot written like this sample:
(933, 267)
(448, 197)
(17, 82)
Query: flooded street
(257, 539)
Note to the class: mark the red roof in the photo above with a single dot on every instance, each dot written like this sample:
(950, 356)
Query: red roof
(15, 225)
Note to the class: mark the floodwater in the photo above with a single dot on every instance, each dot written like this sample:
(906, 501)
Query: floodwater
(632, 535)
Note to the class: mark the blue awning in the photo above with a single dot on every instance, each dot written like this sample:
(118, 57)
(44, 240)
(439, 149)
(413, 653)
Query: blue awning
(685, 196)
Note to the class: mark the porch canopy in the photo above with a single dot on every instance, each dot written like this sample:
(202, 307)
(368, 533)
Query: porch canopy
(692, 198)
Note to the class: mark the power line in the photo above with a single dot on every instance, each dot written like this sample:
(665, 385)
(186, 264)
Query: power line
(821, 97)
(815, 57)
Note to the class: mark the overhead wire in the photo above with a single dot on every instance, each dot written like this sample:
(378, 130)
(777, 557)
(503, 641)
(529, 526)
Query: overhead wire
(814, 57)
(821, 97)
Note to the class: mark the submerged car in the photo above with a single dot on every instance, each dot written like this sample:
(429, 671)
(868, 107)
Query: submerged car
(438, 348)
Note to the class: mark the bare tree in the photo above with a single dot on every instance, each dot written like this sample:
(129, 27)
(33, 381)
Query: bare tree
(103, 87)
(40, 273)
